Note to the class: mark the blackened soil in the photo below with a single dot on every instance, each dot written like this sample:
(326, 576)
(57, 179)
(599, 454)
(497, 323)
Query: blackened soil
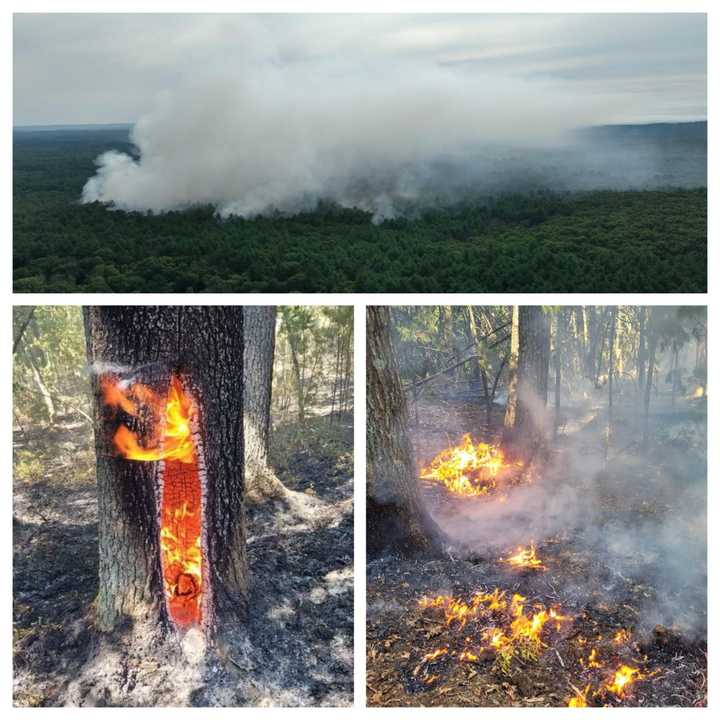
(296, 647)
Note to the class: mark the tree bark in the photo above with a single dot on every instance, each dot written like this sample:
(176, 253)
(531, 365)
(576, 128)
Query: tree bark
(527, 431)
(204, 347)
(611, 360)
(397, 518)
(511, 406)
(261, 482)
(652, 344)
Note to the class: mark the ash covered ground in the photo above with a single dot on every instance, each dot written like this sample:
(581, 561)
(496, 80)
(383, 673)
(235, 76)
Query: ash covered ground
(296, 647)
(622, 539)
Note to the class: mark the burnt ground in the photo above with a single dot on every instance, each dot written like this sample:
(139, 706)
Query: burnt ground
(296, 648)
(622, 538)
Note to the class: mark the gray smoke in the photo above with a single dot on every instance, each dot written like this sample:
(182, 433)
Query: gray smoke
(280, 137)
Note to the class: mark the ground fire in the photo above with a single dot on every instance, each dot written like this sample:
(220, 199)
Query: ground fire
(525, 558)
(577, 577)
(468, 468)
(166, 437)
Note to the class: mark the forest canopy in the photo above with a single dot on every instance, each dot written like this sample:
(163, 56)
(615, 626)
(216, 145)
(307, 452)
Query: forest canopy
(536, 240)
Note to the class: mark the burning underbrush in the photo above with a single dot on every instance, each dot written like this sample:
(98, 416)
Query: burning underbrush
(471, 469)
(569, 591)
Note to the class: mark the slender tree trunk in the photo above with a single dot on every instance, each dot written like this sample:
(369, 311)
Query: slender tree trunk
(299, 373)
(259, 329)
(203, 346)
(652, 343)
(397, 517)
(559, 335)
(480, 372)
(611, 359)
(528, 431)
(642, 348)
(674, 375)
(511, 406)
(42, 388)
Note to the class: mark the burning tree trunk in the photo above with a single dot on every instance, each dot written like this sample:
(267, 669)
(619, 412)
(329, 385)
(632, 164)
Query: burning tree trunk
(168, 412)
(524, 417)
(259, 330)
(396, 514)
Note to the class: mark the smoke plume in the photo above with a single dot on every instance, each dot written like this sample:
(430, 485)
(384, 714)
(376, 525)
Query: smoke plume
(279, 137)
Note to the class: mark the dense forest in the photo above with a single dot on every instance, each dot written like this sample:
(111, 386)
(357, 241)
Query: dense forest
(129, 590)
(532, 241)
(537, 502)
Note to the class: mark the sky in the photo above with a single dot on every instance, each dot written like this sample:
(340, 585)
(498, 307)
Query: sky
(76, 69)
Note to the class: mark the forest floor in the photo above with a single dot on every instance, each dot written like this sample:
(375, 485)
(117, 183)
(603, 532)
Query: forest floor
(297, 645)
(621, 536)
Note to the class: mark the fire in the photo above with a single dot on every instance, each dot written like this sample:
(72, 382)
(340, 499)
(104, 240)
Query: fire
(170, 440)
(580, 699)
(624, 677)
(467, 469)
(508, 628)
(525, 558)
(172, 414)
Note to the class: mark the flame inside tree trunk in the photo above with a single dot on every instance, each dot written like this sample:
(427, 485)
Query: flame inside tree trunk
(170, 488)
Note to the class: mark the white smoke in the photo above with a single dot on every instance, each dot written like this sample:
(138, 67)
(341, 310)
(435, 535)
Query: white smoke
(268, 135)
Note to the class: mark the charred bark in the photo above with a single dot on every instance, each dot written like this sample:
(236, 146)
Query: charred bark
(261, 482)
(396, 516)
(204, 346)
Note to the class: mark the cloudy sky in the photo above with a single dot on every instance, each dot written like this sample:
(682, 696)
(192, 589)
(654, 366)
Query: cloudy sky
(116, 68)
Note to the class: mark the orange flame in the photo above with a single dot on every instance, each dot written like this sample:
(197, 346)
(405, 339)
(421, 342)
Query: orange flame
(171, 441)
(525, 558)
(580, 699)
(623, 678)
(510, 628)
(172, 412)
(467, 469)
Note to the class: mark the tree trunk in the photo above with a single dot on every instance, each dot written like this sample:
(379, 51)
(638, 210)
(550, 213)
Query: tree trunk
(641, 353)
(480, 373)
(259, 341)
(397, 517)
(299, 373)
(511, 406)
(559, 335)
(533, 364)
(611, 360)
(42, 388)
(203, 347)
(652, 343)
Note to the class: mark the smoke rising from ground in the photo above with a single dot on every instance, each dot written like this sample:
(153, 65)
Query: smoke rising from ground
(642, 517)
(283, 138)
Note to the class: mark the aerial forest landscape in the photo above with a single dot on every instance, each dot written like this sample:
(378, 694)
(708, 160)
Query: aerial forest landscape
(289, 153)
(537, 506)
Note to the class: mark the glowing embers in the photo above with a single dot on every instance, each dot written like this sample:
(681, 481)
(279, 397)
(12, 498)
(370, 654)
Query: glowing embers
(180, 535)
(165, 434)
(492, 624)
(468, 469)
(524, 558)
